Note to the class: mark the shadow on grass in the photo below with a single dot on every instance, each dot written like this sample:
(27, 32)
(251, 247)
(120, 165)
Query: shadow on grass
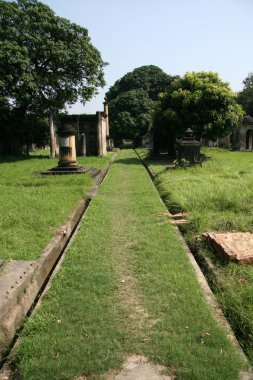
(128, 161)
(160, 159)
(6, 159)
(168, 161)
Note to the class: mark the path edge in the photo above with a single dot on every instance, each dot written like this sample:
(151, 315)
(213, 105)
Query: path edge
(207, 292)
(18, 302)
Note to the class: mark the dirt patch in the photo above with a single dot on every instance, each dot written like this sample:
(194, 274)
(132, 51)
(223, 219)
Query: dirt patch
(137, 367)
(136, 313)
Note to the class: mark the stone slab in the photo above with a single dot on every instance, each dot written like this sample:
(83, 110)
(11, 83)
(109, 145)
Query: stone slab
(175, 218)
(13, 276)
(179, 215)
(234, 246)
(179, 221)
(66, 170)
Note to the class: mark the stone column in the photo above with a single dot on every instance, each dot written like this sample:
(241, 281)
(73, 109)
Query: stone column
(67, 150)
(108, 140)
(52, 136)
(99, 132)
(106, 113)
(83, 145)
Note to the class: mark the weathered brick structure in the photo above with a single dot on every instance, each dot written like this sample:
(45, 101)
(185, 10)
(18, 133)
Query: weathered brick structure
(242, 137)
(91, 132)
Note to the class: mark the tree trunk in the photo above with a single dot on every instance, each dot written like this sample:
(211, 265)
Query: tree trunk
(156, 143)
(171, 145)
(17, 137)
(52, 136)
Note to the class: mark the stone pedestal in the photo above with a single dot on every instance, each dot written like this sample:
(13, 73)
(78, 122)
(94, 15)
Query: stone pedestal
(67, 153)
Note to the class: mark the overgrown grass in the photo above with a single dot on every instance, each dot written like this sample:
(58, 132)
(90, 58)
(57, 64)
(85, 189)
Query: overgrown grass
(219, 197)
(32, 206)
(125, 287)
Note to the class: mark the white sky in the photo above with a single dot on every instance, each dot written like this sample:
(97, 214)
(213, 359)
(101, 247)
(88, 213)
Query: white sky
(175, 35)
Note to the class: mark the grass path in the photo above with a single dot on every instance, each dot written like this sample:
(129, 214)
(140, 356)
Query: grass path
(125, 287)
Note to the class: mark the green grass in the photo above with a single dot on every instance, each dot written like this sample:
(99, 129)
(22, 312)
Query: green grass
(219, 197)
(32, 206)
(126, 287)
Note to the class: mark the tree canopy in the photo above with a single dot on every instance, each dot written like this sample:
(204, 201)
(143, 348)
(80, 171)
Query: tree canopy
(130, 114)
(245, 97)
(131, 99)
(46, 61)
(201, 101)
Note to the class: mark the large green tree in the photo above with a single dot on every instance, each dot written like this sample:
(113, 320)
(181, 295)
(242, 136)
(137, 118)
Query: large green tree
(46, 62)
(130, 115)
(201, 101)
(131, 100)
(245, 97)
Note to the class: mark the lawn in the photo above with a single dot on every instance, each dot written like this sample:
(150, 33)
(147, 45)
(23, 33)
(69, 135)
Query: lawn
(126, 287)
(32, 206)
(218, 197)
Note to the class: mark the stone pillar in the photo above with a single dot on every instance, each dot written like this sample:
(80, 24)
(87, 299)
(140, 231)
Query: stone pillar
(67, 149)
(52, 136)
(106, 113)
(108, 140)
(99, 132)
(83, 145)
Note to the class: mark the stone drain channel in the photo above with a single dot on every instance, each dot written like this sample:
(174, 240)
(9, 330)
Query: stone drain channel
(23, 282)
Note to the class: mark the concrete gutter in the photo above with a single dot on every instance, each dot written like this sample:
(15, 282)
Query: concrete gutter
(22, 281)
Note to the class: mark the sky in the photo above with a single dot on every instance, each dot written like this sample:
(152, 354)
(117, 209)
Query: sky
(178, 36)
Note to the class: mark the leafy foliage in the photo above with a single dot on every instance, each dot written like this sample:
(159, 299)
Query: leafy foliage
(45, 61)
(245, 97)
(149, 78)
(131, 99)
(130, 114)
(200, 100)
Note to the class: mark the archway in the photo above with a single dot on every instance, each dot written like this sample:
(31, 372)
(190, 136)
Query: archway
(249, 139)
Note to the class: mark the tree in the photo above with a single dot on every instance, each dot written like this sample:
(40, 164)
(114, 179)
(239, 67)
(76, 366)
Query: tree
(130, 115)
(46, 62)
(131, 100)
(201, 101)
(245, 97)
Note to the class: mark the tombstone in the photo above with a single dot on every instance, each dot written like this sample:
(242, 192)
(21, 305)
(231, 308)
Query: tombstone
(189, 148)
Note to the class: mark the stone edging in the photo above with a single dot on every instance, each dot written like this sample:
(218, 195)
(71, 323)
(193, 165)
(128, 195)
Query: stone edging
(17, 302)
(209, 296)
